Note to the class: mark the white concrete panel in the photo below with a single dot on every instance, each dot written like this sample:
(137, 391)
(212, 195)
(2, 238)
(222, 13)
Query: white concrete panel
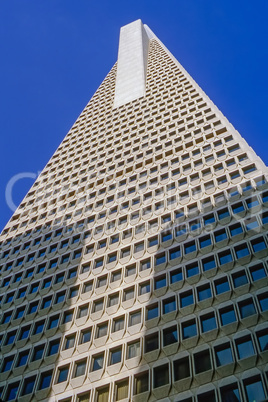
(132, 63)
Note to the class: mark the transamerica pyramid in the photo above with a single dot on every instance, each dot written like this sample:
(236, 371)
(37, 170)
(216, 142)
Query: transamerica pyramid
(135, 269)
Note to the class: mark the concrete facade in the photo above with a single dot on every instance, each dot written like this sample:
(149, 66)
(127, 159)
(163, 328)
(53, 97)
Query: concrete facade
(135, 269)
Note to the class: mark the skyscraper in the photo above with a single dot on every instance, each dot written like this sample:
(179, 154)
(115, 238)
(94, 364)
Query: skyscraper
(135, 267)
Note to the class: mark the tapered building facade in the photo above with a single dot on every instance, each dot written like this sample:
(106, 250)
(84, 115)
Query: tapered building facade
(135, 267)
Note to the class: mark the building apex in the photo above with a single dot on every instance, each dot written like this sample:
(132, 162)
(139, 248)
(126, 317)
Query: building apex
(131, 63)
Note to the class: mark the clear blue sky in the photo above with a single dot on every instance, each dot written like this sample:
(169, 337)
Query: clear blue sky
(55, 53)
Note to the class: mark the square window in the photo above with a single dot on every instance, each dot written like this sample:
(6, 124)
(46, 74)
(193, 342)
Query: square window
(227, 315)
(223, 355)
(133, 349)
(135, 318)
(62, 374)
(230, 393)
(160, 282)
(208, 323)
(247, 308)
(151, 342)
(45, 380)
(204, 292)
(121, 390)
(22, 359)
(192, 270)
(181, 368)
(118, 323)
(170, 336)
(39, 326)
(8, 361)
(202, 361)
(28, 386)
(115, 355)
(152, 312)
(257, 272)
(186, 298)
(263, 340)
(80, 368)
(241, 251)
(69, 341)
(12, 391)
(225, 257)
(205, 241)
(85, 336)
(161, 376)
(176, 276)
(53, 347)
(189, 329)
(245, 347)
(102, 394)
(38, 352)
(254, 389)
(208, 263)
(169, 305)
(101, 330)
(263, 301)
(144, 288)
(128, 294)
(141, 383)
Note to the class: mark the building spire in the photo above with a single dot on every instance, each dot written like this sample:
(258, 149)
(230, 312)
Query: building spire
(131, 64)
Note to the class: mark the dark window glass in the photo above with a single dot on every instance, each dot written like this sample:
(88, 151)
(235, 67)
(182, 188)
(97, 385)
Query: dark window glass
(245, 347)
(181, 369)
(254, 390)
(204, 292)
(98, 362)
(45, 380)
(257, 272)
(53, 347)
(223, 355)
(192, 270)
(209, 263)
(23, 357)
(170, 336)
(189, 329)
(241, 251)
(141, 383)
(28, 386)
(38, 352)
(205, 241)
(12, 391)
(151, 343)
(208, 323)
(230, 393)
(222, 285)
(160, 282)
(263, 300)
(225, 257)
(176, 276)
(263, 340)
(152, 312)
(240, 279)
(247, 308)
(202, 361)
(186, 298)
(39, 326)
(115, 356)
(169, 305)
(258, 245)
(63, 374)
(161, 376)
(227, 316)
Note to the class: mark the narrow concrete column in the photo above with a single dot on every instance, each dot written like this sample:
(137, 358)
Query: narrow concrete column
(132, 63)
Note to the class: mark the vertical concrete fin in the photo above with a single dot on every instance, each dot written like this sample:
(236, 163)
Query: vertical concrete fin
(132, 63)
